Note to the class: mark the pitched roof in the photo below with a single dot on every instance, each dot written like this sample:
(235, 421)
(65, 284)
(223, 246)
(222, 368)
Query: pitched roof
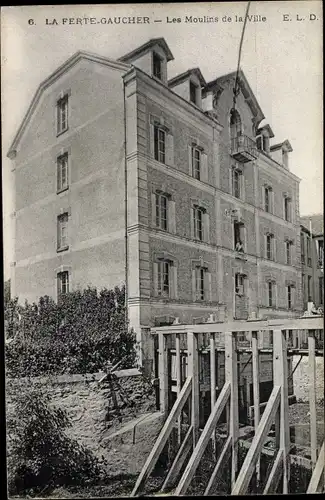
(153, 41)
(282, 145)
(51, 79)
(317, 223)
(183, 76)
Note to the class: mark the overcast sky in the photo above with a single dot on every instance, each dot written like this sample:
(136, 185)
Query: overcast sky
(282, 61)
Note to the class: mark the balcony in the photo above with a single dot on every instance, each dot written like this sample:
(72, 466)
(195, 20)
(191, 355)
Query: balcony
(243, 149)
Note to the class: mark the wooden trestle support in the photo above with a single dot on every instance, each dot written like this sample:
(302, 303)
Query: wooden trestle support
(194, 444)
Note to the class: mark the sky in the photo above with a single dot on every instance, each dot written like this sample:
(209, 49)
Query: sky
(281, 58)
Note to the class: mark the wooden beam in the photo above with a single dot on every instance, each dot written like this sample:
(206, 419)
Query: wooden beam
(163, 436)
(178, 384)
(203, 441)
(163, 373)
(232, 377)
(275, 474)
(179, 460)
(254, 451)
(226, 450)
(213, 382)
(193, 370)
(316, 478)
(256, 392)
(312, 395)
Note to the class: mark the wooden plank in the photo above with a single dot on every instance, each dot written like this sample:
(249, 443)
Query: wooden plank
(164, 435)
(275, 474)
(203, 441)
(179, 460)
(163, 373)
(193, 367)
(232, 377)
(256, 392)
(315, 485)
(254, 451)
(305, 323)
(178, 383)
(312, 395)
(213, 381)
(224, 455)
(280, 378)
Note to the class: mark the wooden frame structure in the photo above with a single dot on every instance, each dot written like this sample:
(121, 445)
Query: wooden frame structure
(194, 444)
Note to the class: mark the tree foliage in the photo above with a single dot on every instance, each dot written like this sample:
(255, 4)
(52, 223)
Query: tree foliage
(80, 334)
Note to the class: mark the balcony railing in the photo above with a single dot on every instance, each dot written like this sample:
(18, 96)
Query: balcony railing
(243, 149)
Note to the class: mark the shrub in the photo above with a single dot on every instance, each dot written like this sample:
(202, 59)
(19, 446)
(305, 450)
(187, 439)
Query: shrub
(79, 334)
(41, 455)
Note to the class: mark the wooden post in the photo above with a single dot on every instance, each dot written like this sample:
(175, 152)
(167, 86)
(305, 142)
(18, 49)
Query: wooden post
(213, 383)
(178, 385)
(312, 396)
(163, 373)
(256, 392)
(193, 370)
(232, 378)
(280, 378)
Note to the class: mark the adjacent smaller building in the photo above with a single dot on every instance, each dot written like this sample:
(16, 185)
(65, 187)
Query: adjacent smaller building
(312, 259)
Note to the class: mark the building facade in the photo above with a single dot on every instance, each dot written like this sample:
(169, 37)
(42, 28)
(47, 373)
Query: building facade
(125, 176)
(312, 260)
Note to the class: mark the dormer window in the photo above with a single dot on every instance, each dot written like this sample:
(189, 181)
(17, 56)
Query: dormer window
(193, 92)
(157, 65)
(262, 143)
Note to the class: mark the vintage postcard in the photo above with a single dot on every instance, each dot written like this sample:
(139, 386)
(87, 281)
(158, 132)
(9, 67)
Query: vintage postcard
(164, 249)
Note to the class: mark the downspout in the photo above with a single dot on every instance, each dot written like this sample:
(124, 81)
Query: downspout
(125, 213)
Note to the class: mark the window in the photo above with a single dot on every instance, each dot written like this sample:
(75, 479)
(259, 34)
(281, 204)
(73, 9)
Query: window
(163, 278)
(270, 246)
(62, 172)
(320, 253)
(239, 284)
(198, 215)
(161, 211)
(239, 229)
(196, 163)
(193, 92)
(268, 199)
(62, 243)
(159, 144)
(270, 292)
(289, 296)
(200, 283)
(157, 66)
(63, 283)
(288, 252)
(302, 248)
(235, 124)
(303, 287)
(287, 208)
(309, 289)
(308, 251)
(321, 290)
(62, 114)
(236, 182)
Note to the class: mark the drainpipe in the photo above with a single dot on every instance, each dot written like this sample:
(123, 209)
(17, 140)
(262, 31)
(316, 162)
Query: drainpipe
(125, 213)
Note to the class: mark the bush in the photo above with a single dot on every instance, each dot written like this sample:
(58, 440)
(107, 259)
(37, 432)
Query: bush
(41, 455)
(80, 334)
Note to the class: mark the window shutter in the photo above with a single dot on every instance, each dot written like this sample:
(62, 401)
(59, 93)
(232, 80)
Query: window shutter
(153, 209)
(206, 228)
(152, 140)
(192, 222)
(171, 217)
(204, 167)
(190, 169)
(169, 149)
(155, 278)
(194, 285)
(207, 286)
(174, 288)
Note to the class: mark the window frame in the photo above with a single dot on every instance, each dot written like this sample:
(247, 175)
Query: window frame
(287, 208)
(62, 104)
(288, 252)
(239, 225)
(59, 276)
(289, 297)
(321, 290)
(160, 221)
(238, 173)
(163, 271)
(240, 282)
(156, 58)
(62, 222)
(193, 87)
(269, 250)
(200, 292)
(268, 199)
(196, 163)
(160, 154)
(270, 294)
(198, 232)
(59, 162)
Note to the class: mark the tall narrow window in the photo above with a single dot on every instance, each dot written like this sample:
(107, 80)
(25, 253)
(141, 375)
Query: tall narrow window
(269, 246)
(236, 181)
(160, 144)
(303, 287)
(310, 298)
(199, 283)
(62, 114)
(63, 283)
(163, 278)
(308, 251)
(321, 290)
(268, 199)
(239, 236)
(196, 163)
(198, 213)
(320, 253)
(302, 248)
(287, 208)
(62, 243)
(161, 211)
(289, 296)
(239, 284)
(157, 66)
(288, 252)
(62, 172)
(270, 297)
(193, 92)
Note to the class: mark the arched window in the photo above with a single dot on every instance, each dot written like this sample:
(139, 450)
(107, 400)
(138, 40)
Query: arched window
(235, 124)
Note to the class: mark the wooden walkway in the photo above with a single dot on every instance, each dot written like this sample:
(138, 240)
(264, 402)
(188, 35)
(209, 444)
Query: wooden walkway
(193, 445)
